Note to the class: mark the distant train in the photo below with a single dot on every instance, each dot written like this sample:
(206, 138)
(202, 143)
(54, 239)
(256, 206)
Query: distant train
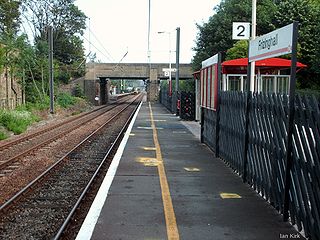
(136, 90)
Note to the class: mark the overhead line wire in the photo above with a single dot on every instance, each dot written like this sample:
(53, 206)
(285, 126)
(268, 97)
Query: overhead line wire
(102, 45)
(98, 49)
(94, 35)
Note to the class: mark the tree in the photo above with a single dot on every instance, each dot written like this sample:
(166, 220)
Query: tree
(68, 23)
(239, 50)
(307, 14)
(9, 16)
(216, 35)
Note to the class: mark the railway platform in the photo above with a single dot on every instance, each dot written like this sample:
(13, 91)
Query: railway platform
(164, 184)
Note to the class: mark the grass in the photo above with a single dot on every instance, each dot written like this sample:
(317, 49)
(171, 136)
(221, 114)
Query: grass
(66, 100)
(3, 136)
(16, 121)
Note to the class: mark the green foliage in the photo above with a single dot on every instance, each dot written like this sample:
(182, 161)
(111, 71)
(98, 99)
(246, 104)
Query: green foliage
(187, 85)
(239, 50)
(3, 136)
(29, 62)
(65, 100)
(16, 121)
(216, 35)
(9, 16)
(184, 85)
(78, 91)
(307, 15)
(35, 106)
(69, 23)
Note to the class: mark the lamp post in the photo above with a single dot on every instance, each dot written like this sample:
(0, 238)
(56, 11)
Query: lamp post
(177, 71)
(170, 78)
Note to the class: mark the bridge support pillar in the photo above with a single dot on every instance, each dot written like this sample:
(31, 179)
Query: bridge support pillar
(153, 86)
(103, 91)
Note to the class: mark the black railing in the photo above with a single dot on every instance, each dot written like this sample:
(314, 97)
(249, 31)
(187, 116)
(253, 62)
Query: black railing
(165, 99)
(266, 150)
(186, 103)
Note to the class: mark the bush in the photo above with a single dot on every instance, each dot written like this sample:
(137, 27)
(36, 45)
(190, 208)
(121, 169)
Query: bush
(78, 91)
(3, 136)
(16, 121)
(30, 106)
(65, 100)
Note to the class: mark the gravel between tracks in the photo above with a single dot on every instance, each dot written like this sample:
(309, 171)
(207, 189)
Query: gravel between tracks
(35, 163)
(57, 191)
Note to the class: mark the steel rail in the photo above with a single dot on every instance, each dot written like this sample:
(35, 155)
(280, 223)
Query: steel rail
(52, 167)
(39, 132)
(49, 140)
(69, 217)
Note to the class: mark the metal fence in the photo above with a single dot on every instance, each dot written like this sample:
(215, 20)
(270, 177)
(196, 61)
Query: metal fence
(187, 102)
(165, 99)
(266, 150)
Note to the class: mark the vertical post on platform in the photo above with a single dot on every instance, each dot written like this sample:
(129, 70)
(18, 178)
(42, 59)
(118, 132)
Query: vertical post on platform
(202, 124)
(290, 122)
(50, 40)
(253, 36)
(246, 123)
(218, 106)
(177, 69)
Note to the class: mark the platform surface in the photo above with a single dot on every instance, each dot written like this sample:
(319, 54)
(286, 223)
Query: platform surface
(209, 201)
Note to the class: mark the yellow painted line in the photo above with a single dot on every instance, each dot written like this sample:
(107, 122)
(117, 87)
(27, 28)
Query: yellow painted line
(229, 195)
(131, 134)
(171, 223)
(192, 169)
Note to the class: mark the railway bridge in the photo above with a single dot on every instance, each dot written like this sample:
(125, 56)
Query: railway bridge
(97, 75)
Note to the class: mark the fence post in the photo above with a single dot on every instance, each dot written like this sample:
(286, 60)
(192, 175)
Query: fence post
(202, 124)
(290, 123)
(218, 106)
(246, 125)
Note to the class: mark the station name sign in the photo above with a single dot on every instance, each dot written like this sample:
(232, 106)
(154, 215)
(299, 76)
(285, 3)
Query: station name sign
(276, 43)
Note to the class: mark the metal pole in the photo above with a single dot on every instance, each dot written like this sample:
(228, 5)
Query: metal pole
(177, 66)
(290, 123)
(246, 123)
(202, 125)
(149, 26)
(218, 106)
(50, 39)
(170, 78)
(253, 36)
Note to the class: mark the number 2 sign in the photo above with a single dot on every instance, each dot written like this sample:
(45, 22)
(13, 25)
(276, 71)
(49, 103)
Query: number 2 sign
(240, 30)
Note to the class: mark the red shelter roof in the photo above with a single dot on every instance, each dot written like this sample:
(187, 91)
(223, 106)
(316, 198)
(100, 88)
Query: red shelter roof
(239, 65)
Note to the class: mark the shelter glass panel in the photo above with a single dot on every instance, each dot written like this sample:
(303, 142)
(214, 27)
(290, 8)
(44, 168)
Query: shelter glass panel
(213, 79)
(234, 83)
(282, 84)
(209, 87)
(268, 84)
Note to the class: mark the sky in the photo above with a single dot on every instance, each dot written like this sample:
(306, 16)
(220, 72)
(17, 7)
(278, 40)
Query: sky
(120, 26)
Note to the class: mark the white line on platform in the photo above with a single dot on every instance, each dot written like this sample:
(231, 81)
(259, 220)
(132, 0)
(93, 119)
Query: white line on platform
(89, 223)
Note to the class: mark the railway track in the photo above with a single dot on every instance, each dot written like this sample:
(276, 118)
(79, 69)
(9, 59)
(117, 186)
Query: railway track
(44, 208)
(12, 151)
